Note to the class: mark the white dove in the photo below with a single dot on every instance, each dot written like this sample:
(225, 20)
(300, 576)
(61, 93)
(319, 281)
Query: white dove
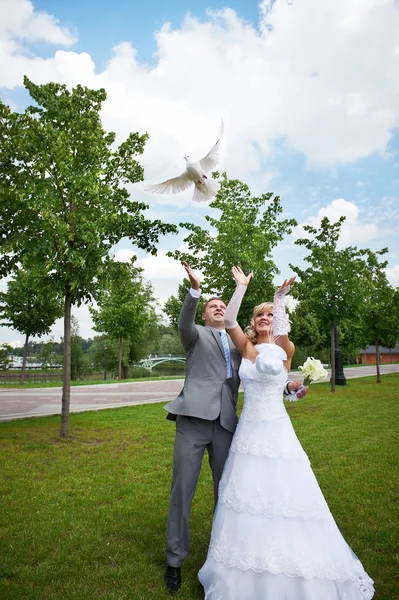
(195, 173)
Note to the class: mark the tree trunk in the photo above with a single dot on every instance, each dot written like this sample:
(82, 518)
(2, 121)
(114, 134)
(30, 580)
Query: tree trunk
(377, 361)
(66, 389)
(24, 359)
(120, 358)
(332, 359)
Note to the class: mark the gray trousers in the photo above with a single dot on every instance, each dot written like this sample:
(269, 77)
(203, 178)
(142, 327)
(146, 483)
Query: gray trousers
(193, 436)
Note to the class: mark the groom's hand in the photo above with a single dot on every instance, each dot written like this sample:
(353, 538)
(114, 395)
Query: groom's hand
(195, 282)
(294, 386)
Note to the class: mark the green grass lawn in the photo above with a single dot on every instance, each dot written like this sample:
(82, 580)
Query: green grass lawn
(84, 518)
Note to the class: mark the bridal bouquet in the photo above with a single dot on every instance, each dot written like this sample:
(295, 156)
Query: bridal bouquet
(312, 370)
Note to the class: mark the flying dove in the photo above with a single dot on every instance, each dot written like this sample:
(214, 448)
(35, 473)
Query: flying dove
(195, 173)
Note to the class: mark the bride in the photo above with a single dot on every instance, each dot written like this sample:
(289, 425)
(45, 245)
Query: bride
(273, 535)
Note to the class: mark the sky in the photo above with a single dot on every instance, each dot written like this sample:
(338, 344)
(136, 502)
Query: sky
(308, 92)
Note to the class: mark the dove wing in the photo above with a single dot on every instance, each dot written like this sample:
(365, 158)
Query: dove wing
(210, 161)
(171, 186)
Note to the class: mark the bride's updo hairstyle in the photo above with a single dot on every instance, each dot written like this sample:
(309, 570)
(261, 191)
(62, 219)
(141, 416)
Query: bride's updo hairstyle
(250, 331)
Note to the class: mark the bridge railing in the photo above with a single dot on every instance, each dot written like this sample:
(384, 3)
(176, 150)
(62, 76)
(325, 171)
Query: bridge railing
(152, 361)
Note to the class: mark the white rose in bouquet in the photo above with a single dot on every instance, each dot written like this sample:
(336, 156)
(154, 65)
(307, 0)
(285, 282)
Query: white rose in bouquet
(312, 370)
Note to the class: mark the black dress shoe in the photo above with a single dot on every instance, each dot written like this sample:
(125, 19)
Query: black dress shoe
(172, 579)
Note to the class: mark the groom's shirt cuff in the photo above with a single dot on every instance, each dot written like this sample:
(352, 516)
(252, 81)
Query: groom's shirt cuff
(195, 293)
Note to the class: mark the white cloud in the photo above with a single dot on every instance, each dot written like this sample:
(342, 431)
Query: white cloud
(124, 255)
(21, 24)
(393, 275)
(161, 267)
(385, 212)
(19, 20)
(15, 344)
(353, 230)
(322, 75)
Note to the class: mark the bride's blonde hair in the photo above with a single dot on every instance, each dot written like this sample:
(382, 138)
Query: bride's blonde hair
(250, 331)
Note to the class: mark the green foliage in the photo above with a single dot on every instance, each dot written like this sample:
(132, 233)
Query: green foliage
(5, 356)
(63, 204)
(30, 305)
(48, 356)
(79, 362)
(332, 288)
(306, 329)
(63, 197)
(103, 354)
(351, 339)
(126, 308)
(170, 344)
(174, 304)
(143, 340)
(381, 306)
(244, 234)
(303, 352)
(35, 348)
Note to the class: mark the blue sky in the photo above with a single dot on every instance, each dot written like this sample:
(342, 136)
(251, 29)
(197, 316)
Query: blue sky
(308, 91)
(103, 24)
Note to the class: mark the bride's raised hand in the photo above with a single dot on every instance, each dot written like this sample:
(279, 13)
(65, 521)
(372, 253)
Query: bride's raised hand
(240, 276)
(284, 289)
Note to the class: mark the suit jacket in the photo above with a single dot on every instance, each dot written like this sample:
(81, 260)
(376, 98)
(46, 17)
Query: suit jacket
(206, 393)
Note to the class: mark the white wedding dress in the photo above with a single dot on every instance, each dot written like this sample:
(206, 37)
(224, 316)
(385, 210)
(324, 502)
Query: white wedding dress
(273, 535)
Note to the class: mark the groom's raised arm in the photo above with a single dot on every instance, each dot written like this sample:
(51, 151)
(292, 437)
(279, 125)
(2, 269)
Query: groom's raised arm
(187, 329)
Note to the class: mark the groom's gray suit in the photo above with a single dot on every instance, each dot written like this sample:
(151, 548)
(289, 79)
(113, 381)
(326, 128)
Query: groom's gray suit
(205, 414)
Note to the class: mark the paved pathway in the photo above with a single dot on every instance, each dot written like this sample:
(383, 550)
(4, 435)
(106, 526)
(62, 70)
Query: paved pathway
(31, 402)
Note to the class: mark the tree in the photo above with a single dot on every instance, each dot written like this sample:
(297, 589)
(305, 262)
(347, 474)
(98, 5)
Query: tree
(306, 329)
(125, 306)
(381, 307)
(63, 200)
(170, 344)
(244, 234)
(5, 356)
(104, 354)
(47, 355)
(31, 305)
(144, 339)
(352, 338)
(309, 335)
(332, 287)
(79, 362)
(174, 304)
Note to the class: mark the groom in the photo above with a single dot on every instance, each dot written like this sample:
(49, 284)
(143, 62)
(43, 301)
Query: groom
(205, 415)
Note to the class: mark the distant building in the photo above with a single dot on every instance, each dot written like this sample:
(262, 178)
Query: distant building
(387, 355)
(16, 362)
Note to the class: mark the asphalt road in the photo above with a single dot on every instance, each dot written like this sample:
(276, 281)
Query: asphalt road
(31, 402)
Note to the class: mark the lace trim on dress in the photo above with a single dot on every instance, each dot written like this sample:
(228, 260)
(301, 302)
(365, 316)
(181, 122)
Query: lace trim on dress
(258, 504)
(275, 561)
(263, 411)
(271, 447)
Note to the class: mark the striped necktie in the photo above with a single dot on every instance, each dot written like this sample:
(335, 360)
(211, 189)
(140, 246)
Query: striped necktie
(226, 350)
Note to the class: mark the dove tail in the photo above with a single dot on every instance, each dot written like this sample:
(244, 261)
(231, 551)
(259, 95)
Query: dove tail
(206, 191)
